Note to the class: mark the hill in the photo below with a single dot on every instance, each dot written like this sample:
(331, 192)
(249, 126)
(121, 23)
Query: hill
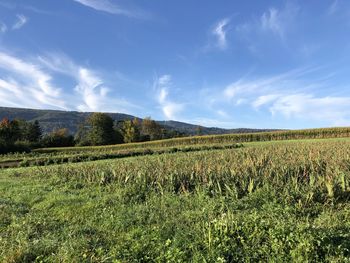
(54, 119)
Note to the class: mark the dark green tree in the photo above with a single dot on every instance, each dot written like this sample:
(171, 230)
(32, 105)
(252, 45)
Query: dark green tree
(81, 136)
(58, 138)
(101, 130)
(9, 131)
(33, 132)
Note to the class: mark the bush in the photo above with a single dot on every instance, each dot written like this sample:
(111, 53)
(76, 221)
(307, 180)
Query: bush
(58, 138)
(14, 147)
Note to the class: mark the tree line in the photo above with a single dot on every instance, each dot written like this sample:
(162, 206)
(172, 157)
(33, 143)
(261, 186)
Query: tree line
(98, 129)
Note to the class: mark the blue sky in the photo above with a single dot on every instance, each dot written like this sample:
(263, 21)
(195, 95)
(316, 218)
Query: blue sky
(258, 64)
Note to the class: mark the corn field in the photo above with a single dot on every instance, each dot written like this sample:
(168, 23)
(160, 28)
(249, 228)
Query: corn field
(270, 202)
(324, 133)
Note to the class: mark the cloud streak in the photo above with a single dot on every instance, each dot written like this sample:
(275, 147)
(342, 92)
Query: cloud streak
(21, 21)
(30, 83)
(272, 20)
(92, 89)
(3, 28)
(279, 21)
(220, 31)
(27, 84)
(169, 108)
(112, 8)
(275, 21)
(289, 95)
(93, 92)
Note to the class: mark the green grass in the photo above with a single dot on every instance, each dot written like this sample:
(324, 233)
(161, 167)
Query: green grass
(270, 202)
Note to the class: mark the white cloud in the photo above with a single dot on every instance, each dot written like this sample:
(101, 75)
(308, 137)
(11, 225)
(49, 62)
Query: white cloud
(21, 21)
(3, 28)
(27, 83)
(289, 95)
(169, 108)
(92, 90)
(220, 31)
(271, 20)
(335, 110)
(223, 114)
(164, 80)
(279, 21)
(274, 21)
(244, 88)
(264, 99)
(94, 93)
(112, 8)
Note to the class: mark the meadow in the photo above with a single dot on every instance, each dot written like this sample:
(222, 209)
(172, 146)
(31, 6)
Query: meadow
(278, 197)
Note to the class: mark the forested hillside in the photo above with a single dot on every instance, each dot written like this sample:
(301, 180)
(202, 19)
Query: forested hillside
(53, 119)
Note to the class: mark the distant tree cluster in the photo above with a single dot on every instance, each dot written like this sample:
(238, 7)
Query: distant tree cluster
(58, 138)
(145, 130)
(140, 131)
(18, 135)
(98, 129)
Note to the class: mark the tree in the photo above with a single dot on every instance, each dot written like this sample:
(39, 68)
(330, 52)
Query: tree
(9, 131)
(151, 129)
(199, 130)
(12, 136)
(58, 138)
(130, 130)
(101, 130)
(81, 136)
(35, 132)
(31, 132)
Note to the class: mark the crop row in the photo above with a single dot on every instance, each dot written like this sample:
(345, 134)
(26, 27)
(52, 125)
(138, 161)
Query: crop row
(215, 139)
(83, 157)
(309, 171)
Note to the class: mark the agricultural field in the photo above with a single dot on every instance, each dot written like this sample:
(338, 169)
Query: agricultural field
(270, 197)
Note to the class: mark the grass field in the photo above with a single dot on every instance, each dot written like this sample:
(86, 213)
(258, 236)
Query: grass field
(285, 201)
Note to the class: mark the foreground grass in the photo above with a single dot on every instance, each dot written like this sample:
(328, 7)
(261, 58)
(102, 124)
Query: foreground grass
(277, 202)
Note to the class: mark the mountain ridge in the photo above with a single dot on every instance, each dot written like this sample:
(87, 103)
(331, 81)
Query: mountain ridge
(54, 119)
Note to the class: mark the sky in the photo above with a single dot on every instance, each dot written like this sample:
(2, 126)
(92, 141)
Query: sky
(229, 64)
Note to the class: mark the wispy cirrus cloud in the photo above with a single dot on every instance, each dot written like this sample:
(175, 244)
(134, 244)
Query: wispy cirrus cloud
(92, 89)
(32, 82)
(94, 92)
(333, 109)
(291, 95)
(276, 21)
(113, 8)
(272, 20)
(21, 21)
(3, 27)
(219, 31)
(26, 84)
(169, 108)
(279, 21)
